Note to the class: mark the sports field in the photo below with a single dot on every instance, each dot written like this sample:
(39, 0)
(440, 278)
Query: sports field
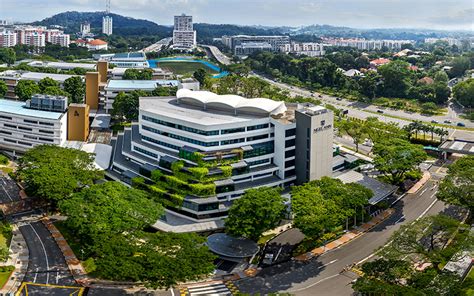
(183, 67)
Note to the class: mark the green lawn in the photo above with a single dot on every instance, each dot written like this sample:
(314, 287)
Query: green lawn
(181, 68)
(468, 284)
(5, 272)
(5, 238)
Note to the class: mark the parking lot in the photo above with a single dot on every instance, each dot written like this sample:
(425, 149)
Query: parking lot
(9, 190)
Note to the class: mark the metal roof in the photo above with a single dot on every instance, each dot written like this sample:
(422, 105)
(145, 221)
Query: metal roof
(228, 246)
(18, 108)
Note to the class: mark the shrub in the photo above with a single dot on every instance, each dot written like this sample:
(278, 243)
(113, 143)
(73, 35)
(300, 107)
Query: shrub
(139, 182)
(156, 175)
(3, 159)
(203, 189)
(226, 171)
(177, 166)
(157, 191)
(199, 172)
(175, 182)
(89, 265)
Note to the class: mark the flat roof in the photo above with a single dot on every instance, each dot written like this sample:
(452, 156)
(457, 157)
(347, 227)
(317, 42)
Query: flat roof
(62, 65)
(18, 108)
(229, 246)
(458, 146)
(168, 107)
(38, 76)
(139, 84)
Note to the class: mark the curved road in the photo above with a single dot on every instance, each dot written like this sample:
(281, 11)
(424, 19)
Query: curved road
(363, 110)
(321, 275)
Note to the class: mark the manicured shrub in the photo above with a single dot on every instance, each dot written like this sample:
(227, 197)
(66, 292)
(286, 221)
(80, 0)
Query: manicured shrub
(3, 159)
(199, 172)
(175, 182)
(203, 189)
(226, 171)
(177, 166)
(156, 175)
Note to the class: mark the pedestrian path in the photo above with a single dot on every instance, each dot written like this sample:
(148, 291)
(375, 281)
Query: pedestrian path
(18, 257)
(210, 289)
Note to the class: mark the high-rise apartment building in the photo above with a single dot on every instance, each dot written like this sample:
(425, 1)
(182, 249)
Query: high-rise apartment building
(184, 36)
(107, 25)
(8, 39)
(85, 28)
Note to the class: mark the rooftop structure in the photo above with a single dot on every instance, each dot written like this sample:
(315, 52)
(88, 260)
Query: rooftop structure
(184, 36)
(63, 65)
(240, 143)
(125, 60)
(275, 42)
(231, 247)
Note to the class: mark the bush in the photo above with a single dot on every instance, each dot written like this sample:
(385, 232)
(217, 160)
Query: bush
(177, 166)
(156, 175)
(203, 189)
(226, 171)
(157, 191)
(139, 182)
(199, 172)
(414, 175)
(176, 183)
(3, 159)
(89, 265)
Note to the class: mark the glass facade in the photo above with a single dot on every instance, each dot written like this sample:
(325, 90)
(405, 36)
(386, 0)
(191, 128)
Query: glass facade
(233, 130)
(181, 138)
(257, 127)
(181, 127)
(260, 149)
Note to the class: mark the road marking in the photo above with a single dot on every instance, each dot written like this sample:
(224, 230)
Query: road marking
(423, 191)
(172, 292)
(427, 209)
(8, 194)
(401, 218)
(44, 251)
(36, 275)
(57, 277)
(432, 195)
(330, 262)
(314, 284)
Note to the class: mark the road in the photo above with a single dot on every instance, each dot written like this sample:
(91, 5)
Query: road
(158, 45)
(321, 275)
(364, 110)
(9, 191)
(220, 57)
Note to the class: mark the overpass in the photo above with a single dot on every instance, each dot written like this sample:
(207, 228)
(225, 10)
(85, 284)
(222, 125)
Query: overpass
(220, 57)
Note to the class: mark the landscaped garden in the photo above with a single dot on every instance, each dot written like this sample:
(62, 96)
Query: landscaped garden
(5, 238)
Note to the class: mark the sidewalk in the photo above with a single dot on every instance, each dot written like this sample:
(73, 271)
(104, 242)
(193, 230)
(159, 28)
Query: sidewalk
(74, 265)
(351, 152)
(351, 235)
(18, 257)
(420, 183)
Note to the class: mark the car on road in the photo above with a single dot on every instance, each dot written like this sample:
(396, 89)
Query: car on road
(380, 111)
(461, 124)
(338, 99)
(320, 96)
(434, 121)
(268, 259)
(448, 121)
(368, 143)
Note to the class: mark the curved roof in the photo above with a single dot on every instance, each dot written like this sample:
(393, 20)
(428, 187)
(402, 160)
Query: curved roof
(233, 102)
(234, 247)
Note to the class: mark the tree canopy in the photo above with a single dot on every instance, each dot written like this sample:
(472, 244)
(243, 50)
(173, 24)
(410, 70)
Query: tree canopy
(26, 88)
(3, 88)
(395, 157)
(463, 92)
(257, 211)
(76, 88)
(138, 74)
(458, 186)
(54, 173)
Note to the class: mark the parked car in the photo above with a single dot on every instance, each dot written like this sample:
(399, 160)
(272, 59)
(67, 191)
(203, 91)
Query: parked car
(434, 121)
(268, 259)
(338, 99)
(379, 111)
(461, 124)
(320, 96)
(368, 143)
(448, 121)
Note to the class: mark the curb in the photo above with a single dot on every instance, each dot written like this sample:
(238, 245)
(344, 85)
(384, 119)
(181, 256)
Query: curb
(75, 267)
(19, 250)
(352, 235)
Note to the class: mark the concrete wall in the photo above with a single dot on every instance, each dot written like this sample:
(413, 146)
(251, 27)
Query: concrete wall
(92, 90)
(78, 122)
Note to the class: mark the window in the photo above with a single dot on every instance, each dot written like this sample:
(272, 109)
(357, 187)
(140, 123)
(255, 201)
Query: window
(5, 132)
(289, 163)
(160, 143)
(257, 162)
(146, 152)
(233, 130)
(181, 138)
(46, 123)
(5, 117)
(233, 141)
(30, 121)
(260, 149)
(9, 140)
(257, 127)
(30, 137)
(290, 143)
(180, 127)
(25, 128)
(290, 153)
(10, 126)
(259, 137)
(46, 139)
(24, 143)
(47, 132)
(290, 173)
(290, 132)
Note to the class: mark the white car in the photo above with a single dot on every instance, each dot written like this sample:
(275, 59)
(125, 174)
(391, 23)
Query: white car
(268, 259)
(368, 143)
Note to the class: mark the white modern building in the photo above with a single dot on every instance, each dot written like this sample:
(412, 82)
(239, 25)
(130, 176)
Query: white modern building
(85, 28)
(23, 127)
(247, 48)
(276, 42)
(107, 25)
(184, 36)
(258, 142)
(8, 38)
(310, 49)
(135, 60)
(363, 44)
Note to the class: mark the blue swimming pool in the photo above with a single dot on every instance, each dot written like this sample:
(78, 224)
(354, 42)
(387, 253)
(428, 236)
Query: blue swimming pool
(153, 64)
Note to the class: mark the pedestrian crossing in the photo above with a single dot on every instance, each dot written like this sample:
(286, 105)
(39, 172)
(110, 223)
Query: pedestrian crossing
(211, 289)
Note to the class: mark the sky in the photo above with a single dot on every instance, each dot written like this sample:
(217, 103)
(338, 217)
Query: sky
(432, 14)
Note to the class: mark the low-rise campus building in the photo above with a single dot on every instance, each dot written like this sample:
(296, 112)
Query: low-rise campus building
(210, 148)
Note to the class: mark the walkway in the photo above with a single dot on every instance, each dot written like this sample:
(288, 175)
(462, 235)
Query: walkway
(18, 257)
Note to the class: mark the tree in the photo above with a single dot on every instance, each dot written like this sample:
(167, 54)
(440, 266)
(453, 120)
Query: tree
(458, 186)
(257, 211)
(441, 76)
(368, 84)
(463, 92)
(125, 106)
(54, 173)
(354, 129)
(47, 82)
(138, 74)
(3, 88)
(113, 208)
(394, 157)
(459, 66)
(200, 75)
(424, 240)
(441, 92)
(396, 76)
(7, 56)
(76, 89)
(25, 89)
(428, 108)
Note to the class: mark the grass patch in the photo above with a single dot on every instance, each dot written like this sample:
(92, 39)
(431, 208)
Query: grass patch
(468, 284)
(6, 170)
(183, 67)
(5, 273)
(5, 239)
(265, 238)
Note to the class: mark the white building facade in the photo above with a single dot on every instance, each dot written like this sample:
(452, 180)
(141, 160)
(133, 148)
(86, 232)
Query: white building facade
(184, 36)
(107, 25)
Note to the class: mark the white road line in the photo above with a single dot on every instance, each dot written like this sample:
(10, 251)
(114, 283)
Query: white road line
(44, 251)
(427, 209)
(330, 262)
(57, 277)
(424, 190)
(401, 218)
(313, 284)
(36, 275)
(8, 194)
(172, 292)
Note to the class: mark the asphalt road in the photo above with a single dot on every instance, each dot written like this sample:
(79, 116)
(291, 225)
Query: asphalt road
(321, 275)
(9, 191)
(46, 262)
(363, 110)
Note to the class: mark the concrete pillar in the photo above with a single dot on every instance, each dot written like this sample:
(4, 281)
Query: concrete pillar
(92, 90)
(102, 68)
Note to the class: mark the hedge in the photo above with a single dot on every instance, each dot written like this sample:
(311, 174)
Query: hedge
(175, 182)
(199, 172)
(156, 175)
(226, 171)
(203, 189)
